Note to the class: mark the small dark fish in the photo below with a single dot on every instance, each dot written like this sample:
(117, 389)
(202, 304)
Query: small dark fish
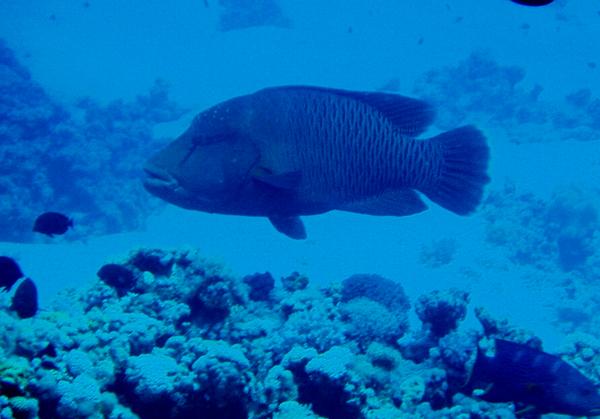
(533, 2)
(51, 223)
(9, 272)
(288, 151)
(25, 299)
(543, 382)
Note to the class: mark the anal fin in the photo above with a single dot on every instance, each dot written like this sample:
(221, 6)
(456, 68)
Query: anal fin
(399, 202)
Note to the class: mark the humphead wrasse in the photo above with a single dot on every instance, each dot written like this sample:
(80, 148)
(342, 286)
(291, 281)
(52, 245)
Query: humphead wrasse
(539, 381)
(284, 152)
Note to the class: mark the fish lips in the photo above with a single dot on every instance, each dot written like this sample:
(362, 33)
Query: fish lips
(165, 186)
(159, 181)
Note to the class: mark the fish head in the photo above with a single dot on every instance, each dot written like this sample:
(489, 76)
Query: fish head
(580, 398)
(207, 167)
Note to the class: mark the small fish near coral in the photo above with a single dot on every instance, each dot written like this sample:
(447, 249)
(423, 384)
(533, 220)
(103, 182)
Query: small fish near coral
(10, 272)
(541, 382)
(52, 223)
(289, 151)
(25, 299)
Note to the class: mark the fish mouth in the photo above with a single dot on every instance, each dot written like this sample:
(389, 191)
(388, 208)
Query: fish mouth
(165, 186)
(158, 179)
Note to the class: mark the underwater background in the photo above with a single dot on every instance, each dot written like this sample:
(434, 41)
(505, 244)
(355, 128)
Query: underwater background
(90, 89)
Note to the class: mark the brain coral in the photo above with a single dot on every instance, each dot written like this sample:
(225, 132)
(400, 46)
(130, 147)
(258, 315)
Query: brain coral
(371, 321)
(377, 288)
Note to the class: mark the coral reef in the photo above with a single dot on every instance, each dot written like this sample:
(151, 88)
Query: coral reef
(45, 166)
(486, 88)
(186, 338)
(564, 229)
(479, 88)
(557, 236)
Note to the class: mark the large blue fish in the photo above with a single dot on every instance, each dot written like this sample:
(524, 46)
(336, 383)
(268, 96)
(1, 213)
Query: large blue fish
(284, 152)
(540, 381)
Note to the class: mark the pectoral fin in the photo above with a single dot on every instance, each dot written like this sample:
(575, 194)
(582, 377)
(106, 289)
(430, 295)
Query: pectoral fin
(286, 181)
(292, 227)
(495, 394)
(526, 409)
(397, 202)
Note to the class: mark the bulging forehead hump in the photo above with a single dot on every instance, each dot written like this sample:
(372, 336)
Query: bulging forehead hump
(223, 116)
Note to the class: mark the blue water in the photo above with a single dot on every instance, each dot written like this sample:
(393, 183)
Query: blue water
(90, 89)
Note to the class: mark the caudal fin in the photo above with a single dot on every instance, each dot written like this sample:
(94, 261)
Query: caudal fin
(463, 174)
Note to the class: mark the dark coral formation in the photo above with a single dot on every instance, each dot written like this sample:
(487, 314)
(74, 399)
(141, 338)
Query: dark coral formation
(441, 311)
(73, 158)
(260, 285)
(117, 276)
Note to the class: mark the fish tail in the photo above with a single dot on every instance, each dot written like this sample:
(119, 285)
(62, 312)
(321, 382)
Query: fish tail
(463, 172)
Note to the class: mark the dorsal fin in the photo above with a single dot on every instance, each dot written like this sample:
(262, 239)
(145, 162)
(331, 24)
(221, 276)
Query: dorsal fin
(410, 116)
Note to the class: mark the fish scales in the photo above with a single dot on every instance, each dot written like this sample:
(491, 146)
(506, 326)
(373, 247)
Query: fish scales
(345, 149)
